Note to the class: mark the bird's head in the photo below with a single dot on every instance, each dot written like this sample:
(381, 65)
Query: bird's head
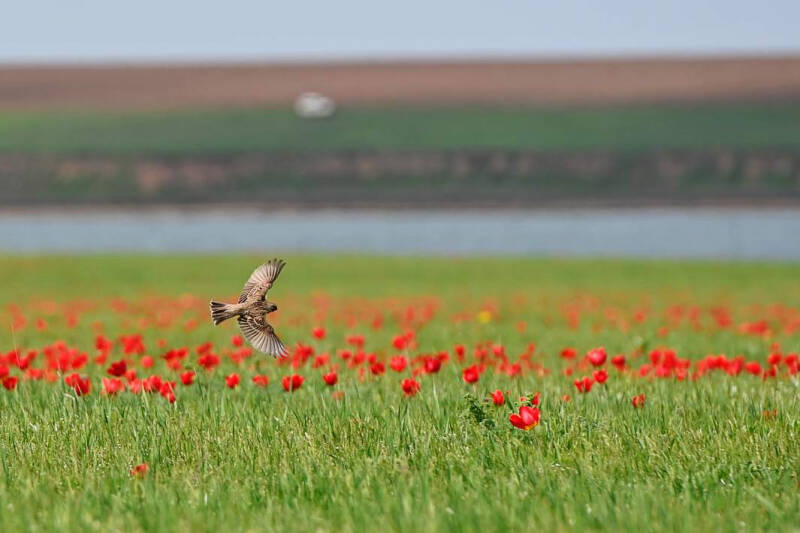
(272, 307)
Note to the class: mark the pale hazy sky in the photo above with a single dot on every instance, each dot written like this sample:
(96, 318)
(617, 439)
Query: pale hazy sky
(169, 30)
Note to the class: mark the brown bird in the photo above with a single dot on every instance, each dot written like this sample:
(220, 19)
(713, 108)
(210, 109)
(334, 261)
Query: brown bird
(253, 308)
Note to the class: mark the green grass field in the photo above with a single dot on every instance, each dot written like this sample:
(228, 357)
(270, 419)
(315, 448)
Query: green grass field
(234, 131)
(719, 453)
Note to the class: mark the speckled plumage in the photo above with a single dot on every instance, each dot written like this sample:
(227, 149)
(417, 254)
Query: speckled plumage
(252, 309)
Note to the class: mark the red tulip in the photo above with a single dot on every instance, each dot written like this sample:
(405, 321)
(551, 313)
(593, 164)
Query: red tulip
(597, 356)
(459, 350)
(753, 367)
(117, 368)
(471, 374)
(10, 382)
(355, 340)
(498, 398)
(82, 386)
(139, 471)
(569, 353)
(398, 363)
(112, 386)
(600, 376)
(187, 378)
(208, 361)
(584, 385)
(638, 401)
(152, 383)
(232, 380)
(261, 380)
(527, 418)
(293, 382)
(410, 386)
(432, 365)
(331, 378)
(318, 333)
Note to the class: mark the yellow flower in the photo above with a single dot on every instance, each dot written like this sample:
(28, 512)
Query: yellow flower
(484, 317)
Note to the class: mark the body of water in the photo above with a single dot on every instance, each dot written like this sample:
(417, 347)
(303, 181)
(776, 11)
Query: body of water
(771, 234)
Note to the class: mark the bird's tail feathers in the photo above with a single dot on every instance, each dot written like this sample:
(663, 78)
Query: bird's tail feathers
(221, 312)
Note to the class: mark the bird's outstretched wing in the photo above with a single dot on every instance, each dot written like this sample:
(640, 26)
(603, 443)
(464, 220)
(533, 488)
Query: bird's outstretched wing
(262, 336)
(261, 280)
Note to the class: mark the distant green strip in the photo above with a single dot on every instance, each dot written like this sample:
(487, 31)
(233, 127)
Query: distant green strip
(230, 131)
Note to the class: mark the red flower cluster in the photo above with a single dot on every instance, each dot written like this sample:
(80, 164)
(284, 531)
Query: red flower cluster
(293, 382)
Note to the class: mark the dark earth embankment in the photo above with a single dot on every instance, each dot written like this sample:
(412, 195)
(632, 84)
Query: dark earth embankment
(399, 178)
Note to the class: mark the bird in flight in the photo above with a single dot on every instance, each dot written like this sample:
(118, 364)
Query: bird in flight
(252, 309)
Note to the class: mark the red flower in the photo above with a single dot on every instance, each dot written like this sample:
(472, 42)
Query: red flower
(152, 383)
(293, 382)
(318, 333)
(410, 386)
(401, 342)
(597, 356)
(471, 374)
(261, 380)
(208, 361)
(584, 385)
(102, 343)
(377, 369)
(146, 361)
(232, 380)
(753, 367)
(600, 376)
(498, 398)
(118, 368)
(460, 350)
(81, 385)
(569, 353)
(356, 340)
(237, 340)
(331, 378)
(398, 363)
(132, 344)
(432, 365)
(167, 390)
(187, 378)
(10, 382)
(111, 386)
(618, 361)
(320, 360)
(527, 418)
(638, 401)
(139, 471)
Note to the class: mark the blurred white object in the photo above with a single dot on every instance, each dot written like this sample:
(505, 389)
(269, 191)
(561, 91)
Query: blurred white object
(314, 105)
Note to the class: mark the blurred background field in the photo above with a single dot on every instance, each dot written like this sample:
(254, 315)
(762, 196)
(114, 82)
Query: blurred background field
(436, 135)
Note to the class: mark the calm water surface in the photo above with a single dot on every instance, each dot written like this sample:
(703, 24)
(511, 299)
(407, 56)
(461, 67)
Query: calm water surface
(701, 233)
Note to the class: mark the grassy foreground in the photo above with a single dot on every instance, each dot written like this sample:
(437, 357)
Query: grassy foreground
(719, 453)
